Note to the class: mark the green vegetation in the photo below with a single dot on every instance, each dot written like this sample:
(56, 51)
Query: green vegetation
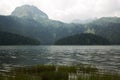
(52, 72)
(14, 39)
(83, 39)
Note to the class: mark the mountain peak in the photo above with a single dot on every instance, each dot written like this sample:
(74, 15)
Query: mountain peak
(29, 11)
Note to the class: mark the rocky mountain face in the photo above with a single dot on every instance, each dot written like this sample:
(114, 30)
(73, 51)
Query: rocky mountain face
(30, 12)
(31, 22)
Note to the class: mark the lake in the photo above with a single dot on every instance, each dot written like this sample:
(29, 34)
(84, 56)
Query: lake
(105, 57)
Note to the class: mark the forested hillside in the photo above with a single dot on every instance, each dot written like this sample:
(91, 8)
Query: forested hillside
(13, 39)
(83, 39)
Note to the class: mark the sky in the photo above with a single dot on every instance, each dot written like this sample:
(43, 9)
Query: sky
(67, 10)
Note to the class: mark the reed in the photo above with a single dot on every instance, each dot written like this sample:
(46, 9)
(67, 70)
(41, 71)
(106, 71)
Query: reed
(52, 72)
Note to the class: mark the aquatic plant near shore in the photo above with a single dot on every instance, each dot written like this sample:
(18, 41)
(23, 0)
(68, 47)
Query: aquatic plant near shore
(52, 72)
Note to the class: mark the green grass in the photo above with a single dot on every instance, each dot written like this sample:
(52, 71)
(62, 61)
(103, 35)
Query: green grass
(87, 68)
(52, 72)
(106, 76)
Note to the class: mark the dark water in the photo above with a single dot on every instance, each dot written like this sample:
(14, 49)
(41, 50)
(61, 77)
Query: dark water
(107, 57)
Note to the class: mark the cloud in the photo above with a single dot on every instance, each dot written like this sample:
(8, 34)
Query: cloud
(67, 10)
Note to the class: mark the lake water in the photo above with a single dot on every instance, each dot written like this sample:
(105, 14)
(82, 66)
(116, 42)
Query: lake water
(107, 57)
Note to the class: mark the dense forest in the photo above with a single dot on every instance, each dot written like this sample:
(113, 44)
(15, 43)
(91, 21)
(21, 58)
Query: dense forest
(83, 39)
(14, 39)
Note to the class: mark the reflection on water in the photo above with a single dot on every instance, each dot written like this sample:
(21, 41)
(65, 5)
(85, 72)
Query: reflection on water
(104, 56)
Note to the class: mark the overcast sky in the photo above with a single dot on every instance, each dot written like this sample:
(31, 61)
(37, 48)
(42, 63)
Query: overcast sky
(67, 10)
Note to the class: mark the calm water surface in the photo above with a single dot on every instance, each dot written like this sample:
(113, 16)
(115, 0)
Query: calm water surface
(107, 57)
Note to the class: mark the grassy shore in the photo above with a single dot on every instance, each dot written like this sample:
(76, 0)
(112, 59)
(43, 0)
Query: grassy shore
(52, 72)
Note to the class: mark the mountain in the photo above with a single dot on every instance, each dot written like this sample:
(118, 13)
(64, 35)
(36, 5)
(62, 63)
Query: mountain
(108, 20)
(30, 12)
(31, 22)
(78, 21)
(43, 29)
(108, 27)
(83, 39)
(14, 39)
